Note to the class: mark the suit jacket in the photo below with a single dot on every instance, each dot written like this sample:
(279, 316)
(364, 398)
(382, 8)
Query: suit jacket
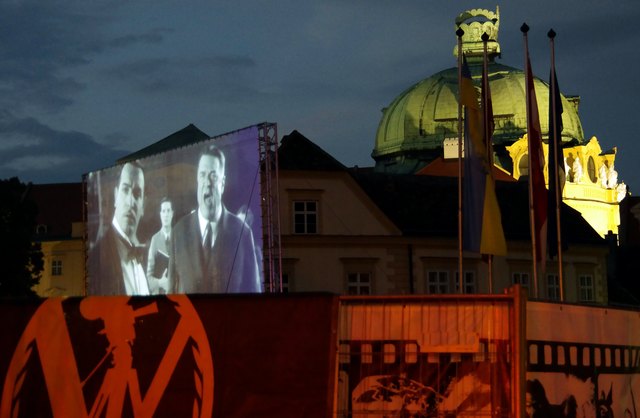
(158, 244)
(232, 266)
(105, 270)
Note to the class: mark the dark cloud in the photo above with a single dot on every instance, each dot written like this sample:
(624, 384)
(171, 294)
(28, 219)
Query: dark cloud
(128, 73)
(154, 36)
(224, 76)
(43, 40)
(35, 152)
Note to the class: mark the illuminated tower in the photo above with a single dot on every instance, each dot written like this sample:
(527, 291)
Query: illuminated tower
(417, 124)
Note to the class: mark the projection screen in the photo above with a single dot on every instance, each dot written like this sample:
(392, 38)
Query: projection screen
(182, 221)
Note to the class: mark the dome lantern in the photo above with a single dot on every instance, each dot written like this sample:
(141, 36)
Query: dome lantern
(475, 23)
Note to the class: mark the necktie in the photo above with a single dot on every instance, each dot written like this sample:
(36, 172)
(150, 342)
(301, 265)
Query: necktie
(208, 237)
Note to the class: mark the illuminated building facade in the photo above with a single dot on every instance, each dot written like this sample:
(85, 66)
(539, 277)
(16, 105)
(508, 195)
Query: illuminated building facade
(415, 126)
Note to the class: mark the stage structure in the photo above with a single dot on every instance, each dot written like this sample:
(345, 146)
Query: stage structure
(268, 138)
(188, 219)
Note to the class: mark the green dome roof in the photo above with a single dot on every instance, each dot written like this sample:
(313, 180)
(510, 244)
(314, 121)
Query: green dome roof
(414, 126)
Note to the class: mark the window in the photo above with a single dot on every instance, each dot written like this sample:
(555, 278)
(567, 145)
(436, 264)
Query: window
(305, 217)
(437, 282)
(411, 353)
(366, 353)
(359, 283)
(288, 274)
(591, 170)
(585, 288)
(553, 287)
(389, 353)
(522, 279)
(359, 276)
(56, 267)
(285, 282)
(469, 282)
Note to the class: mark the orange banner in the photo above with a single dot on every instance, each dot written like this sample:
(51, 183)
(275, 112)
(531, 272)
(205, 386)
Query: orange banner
(171, 356)
(424, 357)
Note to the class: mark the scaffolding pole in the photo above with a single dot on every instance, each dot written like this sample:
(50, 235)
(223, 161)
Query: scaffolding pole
(268, 142)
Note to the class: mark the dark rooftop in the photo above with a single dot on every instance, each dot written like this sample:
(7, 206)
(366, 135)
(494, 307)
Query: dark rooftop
(185, 136)
(428, 206)
(297, 152)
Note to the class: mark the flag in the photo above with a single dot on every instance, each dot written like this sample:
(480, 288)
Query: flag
(482, 232)
(556, 164)
(536, 169)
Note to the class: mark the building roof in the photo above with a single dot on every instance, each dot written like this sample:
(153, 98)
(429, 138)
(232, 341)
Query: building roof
(428, 206)
(185, 136)
(449, 168)
(297, 152)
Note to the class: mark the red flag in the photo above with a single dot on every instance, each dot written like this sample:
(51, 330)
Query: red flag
(538, 193)
(555, 166)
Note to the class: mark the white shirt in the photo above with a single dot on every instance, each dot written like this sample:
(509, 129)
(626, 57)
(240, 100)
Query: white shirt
(135, 280)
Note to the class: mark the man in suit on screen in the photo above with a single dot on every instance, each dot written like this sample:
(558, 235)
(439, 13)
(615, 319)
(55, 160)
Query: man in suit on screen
(158, 260)
(117, 259)
(213, 249)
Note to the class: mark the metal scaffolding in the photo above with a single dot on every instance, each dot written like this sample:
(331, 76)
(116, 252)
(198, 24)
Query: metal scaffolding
(268, 140)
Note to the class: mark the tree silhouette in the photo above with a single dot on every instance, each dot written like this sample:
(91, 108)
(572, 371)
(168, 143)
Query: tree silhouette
(21, 260)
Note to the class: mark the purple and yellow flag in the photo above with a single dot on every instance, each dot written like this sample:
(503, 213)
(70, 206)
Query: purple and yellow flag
(482, 232)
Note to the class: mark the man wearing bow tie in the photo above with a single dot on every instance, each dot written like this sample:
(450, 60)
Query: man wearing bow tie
(117, 258)
(212, 248)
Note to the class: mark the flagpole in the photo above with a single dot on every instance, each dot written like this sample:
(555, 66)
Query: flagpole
(489, 166)
(524, 29)
(554, 125)
(485, 100)
(459, 33)
(487, 133)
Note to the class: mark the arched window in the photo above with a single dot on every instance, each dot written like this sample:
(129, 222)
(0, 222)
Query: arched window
(591, 170)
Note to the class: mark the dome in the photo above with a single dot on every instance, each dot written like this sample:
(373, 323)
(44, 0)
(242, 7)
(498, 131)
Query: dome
(414, 126)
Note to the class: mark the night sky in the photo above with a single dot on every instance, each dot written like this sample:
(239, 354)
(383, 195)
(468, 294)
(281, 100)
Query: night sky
(85, 82)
